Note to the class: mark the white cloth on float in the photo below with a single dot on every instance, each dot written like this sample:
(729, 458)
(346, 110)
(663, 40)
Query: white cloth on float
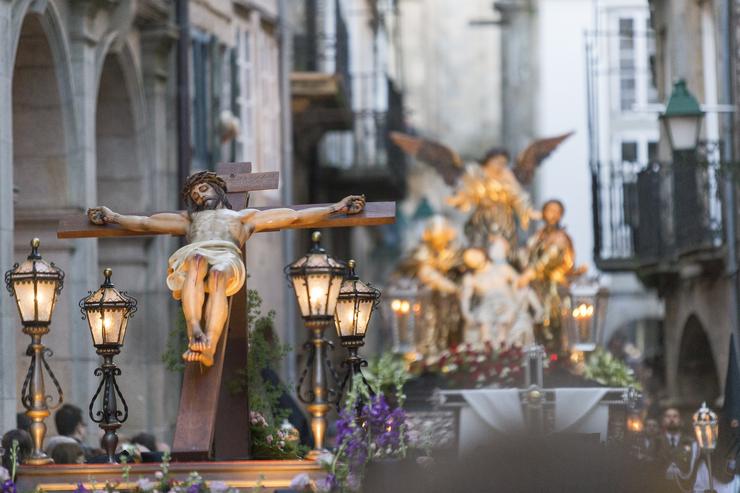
(215, 252)
(579, 410)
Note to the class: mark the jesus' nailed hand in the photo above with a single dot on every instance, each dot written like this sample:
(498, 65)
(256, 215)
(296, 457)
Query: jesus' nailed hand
(211, 262)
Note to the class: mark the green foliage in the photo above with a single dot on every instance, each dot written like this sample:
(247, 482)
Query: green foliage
(387, 374)
(601, 366)
(177, 343)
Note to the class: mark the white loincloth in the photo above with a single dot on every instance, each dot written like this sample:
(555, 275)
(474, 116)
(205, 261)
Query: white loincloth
(215, 252)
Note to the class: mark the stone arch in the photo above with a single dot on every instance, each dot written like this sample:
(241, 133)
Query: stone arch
(43, 136)
(697, 378)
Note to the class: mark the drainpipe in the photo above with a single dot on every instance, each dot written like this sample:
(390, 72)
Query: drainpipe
(182, 18)
(728, 156)
(286, 177)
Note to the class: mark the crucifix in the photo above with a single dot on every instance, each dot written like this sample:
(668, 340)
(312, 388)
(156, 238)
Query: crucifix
(208, 272)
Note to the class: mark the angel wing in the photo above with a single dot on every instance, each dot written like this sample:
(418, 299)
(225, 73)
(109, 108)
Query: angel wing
(536, 152)
(446, 161)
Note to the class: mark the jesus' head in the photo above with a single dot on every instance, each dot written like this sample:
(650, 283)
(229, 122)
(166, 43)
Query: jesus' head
(204, 190)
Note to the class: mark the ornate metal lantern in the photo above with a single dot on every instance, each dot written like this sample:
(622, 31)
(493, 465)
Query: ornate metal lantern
(355, 306)
(682, 118)
(585, 316)
(402, 309)
(316, 278)
(706, 428)
(107, 312)
(36, 284)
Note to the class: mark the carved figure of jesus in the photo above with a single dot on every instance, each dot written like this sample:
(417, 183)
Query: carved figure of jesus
(211, 263)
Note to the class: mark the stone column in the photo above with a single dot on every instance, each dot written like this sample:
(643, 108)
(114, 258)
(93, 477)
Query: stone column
(8, 324)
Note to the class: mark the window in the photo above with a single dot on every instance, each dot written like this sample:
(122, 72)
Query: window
(652, 88)
(627, 85)
(652, 149)
(247, 142)
(629, 152)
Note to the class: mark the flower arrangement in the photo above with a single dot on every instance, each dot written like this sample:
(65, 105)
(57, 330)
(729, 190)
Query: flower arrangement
(7, 485)
(271, 442)
(480, 365)
(376, 432)
(602, 367)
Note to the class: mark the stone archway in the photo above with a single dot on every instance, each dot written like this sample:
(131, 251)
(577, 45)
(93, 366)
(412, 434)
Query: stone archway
(697, 379)
(41, 117)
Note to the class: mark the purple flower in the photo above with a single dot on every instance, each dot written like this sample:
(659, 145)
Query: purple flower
(300, 481)
(325, 485)
(193, 488)
(9, 486)
(80, 489)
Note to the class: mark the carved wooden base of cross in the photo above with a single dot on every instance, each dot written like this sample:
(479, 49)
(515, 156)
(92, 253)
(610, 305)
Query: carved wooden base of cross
(213, 422)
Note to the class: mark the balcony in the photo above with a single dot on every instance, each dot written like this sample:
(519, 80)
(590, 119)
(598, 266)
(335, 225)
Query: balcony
(654, 218)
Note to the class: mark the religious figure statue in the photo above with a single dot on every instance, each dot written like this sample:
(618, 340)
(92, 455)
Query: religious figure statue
(211, 263)
(436, 264)
(491, 191)
(496, 309)
(550, 261)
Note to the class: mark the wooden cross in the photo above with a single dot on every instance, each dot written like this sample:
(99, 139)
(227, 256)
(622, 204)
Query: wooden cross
(213, 422)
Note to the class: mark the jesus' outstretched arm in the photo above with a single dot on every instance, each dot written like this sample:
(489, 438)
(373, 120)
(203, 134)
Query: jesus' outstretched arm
(166, 222)
(281, 218)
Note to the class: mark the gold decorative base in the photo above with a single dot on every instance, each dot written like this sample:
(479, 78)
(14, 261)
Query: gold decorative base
(39, 461)
(315, 453)
(244, 475)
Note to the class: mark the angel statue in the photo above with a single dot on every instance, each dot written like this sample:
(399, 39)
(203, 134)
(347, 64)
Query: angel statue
(550, 261)
(436, 264)
(491, 191)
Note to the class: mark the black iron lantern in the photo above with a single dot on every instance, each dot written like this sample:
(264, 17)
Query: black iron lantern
(35, 284)
(107, 312)
(316, 278)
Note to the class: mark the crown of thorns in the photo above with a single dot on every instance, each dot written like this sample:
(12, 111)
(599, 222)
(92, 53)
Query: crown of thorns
(202, 177)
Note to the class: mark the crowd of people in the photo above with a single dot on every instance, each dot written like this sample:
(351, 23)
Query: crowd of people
(71, 445)
(675, 455)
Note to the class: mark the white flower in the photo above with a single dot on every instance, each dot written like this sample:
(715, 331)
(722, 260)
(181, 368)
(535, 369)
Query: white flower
(325, 458)
(268, 438)
(145, 484)
(4, 474)
(300, 482)
(159, 475)
(281, 444)
(218, 486)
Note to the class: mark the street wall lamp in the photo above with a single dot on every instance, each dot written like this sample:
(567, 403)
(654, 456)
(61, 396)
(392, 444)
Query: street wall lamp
(107, 312)
(706, 430)
(317, 278)
(35, 284)
(355, 305)
(682, 119)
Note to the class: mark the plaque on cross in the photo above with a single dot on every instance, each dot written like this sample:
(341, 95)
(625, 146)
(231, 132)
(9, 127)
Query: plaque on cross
(208, 274)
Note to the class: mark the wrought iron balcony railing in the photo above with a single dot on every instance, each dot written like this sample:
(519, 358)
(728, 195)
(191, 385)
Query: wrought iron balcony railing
(653, 213)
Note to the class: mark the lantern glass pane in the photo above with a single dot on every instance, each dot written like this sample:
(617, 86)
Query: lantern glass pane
(95, 321)
(318, 289)
(25, 299)
(46, 296)
(299, 286)
(364, 311)
(334, 287)
(345, 318)
(684, 131)
(124, 326)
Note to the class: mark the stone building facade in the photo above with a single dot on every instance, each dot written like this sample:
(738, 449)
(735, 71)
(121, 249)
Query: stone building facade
(88, 115)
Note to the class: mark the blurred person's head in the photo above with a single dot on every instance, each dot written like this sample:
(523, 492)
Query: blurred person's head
(25, 445)
(68, 453)
(146, 440)
(672, 420)
(652, 427)
(22, 422)
(69, 421)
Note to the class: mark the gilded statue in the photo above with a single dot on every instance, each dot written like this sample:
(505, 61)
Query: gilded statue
(436, 264)
(550, 260)
(490, 191)
(209, 269)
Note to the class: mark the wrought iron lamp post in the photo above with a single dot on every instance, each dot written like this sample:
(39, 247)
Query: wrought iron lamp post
(107, 312)
(706, 429)
(355, 305)
(36, 284)
(316, 278)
